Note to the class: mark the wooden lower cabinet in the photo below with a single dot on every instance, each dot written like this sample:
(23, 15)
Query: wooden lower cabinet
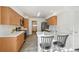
(20, 40)
(11, 44)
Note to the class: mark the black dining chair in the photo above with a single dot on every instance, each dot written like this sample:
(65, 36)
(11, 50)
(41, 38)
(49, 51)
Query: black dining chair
(61, 41)
(46, 43)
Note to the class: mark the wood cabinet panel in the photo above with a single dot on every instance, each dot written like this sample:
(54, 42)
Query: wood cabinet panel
(26, 23)
(14, 17)
(7, 44)
(20, 40)
(0, 15)
(4, 15)
(52, 20)
(11, 44)
(9, 16)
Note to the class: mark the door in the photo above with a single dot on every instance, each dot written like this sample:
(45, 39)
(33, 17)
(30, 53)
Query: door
(34, 26)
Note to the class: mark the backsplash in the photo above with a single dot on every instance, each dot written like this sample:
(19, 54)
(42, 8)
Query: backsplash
(6, 28)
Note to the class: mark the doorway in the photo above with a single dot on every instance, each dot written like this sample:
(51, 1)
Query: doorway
(34, 26)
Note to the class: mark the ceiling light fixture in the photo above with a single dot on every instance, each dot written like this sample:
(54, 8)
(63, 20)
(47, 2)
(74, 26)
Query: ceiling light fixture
(38, 14)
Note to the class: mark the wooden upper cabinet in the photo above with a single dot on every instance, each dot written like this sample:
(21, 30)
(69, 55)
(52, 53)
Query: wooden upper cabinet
(52, 20)
(4, 15)
(0, 15)
(14, 17)
(26, 23)
(9, 16)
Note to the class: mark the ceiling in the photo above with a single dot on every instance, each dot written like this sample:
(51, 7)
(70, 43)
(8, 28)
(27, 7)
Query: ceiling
(40, 11)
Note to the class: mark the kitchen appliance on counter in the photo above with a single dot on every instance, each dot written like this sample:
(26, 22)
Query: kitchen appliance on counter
(19, 28)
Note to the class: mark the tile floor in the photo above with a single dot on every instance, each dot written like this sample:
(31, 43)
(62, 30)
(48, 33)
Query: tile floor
(30, 44)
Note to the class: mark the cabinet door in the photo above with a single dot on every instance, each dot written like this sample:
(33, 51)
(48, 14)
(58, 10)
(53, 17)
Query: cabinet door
(0, 15)
(14, 17)
(26, 23)
(4, 15)
(20, 40)
(9, 16)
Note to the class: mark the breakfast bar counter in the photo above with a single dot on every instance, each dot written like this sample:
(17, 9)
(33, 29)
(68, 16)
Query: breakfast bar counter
(10, 41)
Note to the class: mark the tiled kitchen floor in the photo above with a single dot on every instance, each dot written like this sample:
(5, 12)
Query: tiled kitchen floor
(30, 44)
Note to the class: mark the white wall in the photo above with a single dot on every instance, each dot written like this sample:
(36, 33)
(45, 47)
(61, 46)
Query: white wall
(76, 29)
(30, 26)
(66, 20)
(76, 21)
(65, 24)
